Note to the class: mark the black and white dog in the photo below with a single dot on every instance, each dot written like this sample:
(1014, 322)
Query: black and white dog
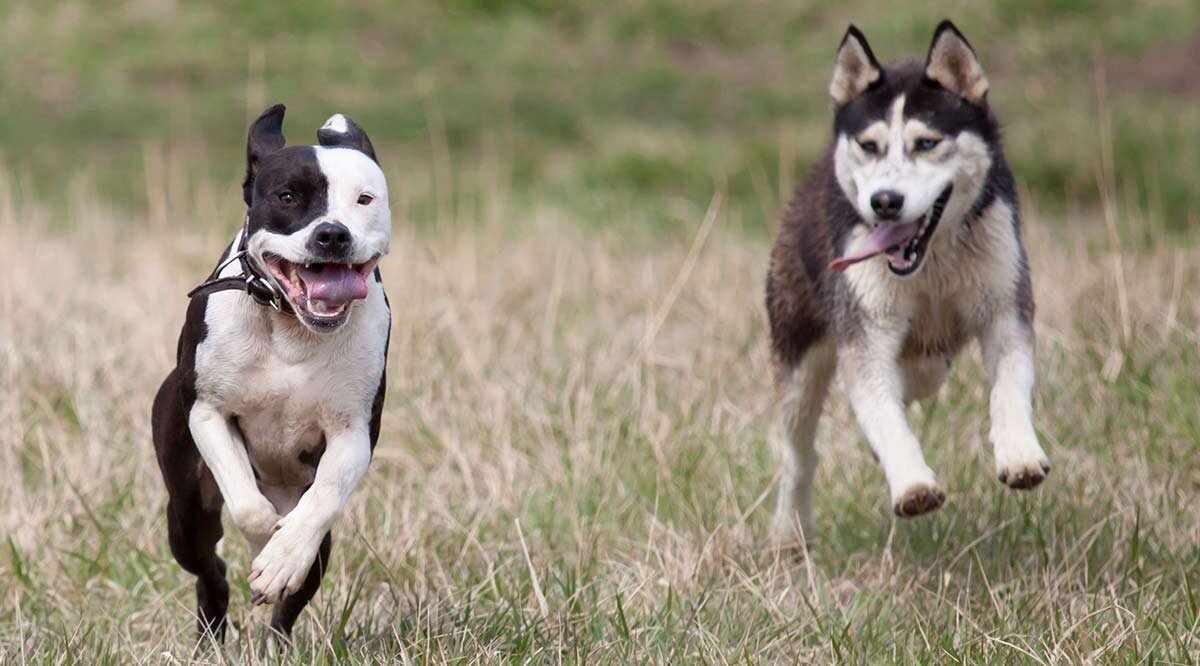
(274, 405)
(901, 247)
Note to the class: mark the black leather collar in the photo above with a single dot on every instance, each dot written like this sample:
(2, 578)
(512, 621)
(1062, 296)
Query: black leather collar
(260, 287)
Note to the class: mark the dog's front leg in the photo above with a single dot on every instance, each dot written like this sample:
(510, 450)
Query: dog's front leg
(873, 382)
(1008, 355)
(284, 562)
(221, 446)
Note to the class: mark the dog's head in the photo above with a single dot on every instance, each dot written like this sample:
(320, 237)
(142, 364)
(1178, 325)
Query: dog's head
(318, 217)
(913, 144)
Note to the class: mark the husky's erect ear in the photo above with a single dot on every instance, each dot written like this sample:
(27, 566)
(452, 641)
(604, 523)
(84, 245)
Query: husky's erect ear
(265, 137)
(953, 64)
(855, 68)
(339, 130)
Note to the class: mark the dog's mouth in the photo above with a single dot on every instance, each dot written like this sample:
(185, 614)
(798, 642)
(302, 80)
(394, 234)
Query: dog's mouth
(904, 244)
(321, 292)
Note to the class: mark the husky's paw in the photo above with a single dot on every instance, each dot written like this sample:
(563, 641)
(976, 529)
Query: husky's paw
(919, 499)
(1021, 463)
(281, 567)
(789, 542)
(1024, 476)
(790, 532)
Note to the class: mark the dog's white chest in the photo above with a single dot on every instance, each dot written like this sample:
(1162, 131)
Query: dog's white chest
(964, 281)
(938, 326)
(286, 391)
(282, 421)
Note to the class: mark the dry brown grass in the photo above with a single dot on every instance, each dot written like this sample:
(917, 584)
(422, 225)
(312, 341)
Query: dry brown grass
(573, 463)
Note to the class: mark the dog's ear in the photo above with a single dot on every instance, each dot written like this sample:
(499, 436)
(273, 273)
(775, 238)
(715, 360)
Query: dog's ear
(264, 138)
(953, 65)
(855, 68)
(339, 130)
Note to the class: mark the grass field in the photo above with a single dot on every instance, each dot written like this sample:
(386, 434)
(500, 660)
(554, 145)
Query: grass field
(574, 465)
(574, 462)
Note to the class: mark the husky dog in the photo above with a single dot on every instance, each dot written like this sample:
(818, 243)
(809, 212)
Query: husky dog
(901, 247)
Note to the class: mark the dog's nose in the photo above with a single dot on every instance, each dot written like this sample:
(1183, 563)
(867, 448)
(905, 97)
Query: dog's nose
(887, 204)
(331, 238)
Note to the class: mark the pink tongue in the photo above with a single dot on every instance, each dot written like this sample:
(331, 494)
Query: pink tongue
(884, 236)
(334, 284)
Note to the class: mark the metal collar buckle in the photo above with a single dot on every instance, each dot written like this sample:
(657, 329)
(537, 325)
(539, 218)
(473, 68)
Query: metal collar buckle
(254, 283)
(256, 286)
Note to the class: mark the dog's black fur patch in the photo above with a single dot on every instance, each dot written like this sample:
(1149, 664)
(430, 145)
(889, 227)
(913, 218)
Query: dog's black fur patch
(194, 503)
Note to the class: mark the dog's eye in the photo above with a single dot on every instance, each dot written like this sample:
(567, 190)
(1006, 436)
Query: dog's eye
(925, 144)
(365, 199)
(869, 147)
(287, 198)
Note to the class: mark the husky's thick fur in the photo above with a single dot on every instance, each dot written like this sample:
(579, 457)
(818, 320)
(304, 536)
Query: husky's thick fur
(901, 247)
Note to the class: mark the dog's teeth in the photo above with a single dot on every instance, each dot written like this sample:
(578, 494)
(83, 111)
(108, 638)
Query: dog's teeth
(319, 309)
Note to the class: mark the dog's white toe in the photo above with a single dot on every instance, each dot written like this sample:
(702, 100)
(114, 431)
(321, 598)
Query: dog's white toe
(280, 569)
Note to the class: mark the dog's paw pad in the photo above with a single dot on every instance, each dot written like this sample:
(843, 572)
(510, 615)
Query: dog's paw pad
(1024, 478)
(919, 500)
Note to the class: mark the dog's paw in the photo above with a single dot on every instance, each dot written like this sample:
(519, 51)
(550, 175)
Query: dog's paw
(1023, 465)
(281, 567)
(790, 530)
(255, 519)
(1024, 476)
(1020, 461)
(789, 542)
(788, 550)
(919, 499)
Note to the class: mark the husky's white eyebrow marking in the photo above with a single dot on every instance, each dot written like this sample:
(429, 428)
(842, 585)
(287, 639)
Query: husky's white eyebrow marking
(897, 110)
(896, 127)
(336, 123)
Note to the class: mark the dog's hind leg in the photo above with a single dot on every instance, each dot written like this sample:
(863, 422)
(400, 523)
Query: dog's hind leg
(801, 390)
(193, 509)
(283, 618)
(193, 532)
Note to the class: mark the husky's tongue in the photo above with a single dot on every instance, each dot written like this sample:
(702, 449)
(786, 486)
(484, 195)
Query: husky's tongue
(334, 284)
(884, 237)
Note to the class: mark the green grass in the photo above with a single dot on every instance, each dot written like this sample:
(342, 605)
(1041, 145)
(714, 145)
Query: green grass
(627, 105)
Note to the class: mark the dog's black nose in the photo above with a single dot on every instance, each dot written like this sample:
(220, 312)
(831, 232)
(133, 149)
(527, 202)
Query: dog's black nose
(887, 204)
(331, 238)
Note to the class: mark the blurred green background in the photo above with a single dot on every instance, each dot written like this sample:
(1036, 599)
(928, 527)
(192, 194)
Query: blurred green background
(618, 112)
